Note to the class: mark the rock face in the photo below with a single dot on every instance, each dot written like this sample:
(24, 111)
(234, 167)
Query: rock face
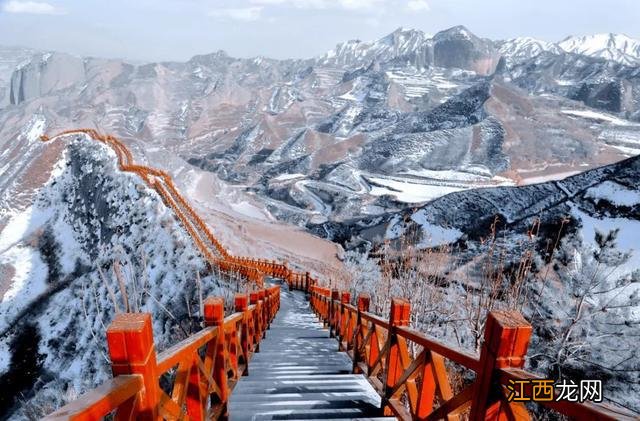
(45, 75)
(459, 48)
(597, 83)
(10, 58)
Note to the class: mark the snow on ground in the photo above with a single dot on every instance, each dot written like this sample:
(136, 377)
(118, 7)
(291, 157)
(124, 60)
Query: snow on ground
(614, 193)
(444, 175)
(28, 282)
(407, 191)
(79, 231)
(627, 238)
(418, 84)
(285, 177)
(597, 116)
(5, 355)
(460, 176)
(434, 235)
(626, 140)
(247, 209)
(548, 177)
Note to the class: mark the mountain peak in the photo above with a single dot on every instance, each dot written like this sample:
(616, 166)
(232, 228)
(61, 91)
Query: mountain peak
(457, 32)
(610, 46)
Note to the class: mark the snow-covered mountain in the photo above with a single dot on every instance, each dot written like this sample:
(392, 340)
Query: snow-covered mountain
(615, 47)
(400, 43)
(619, 48)
(59, 261)
(516, 50)
(456, 47)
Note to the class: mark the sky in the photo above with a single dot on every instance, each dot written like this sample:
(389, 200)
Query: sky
(155, 30)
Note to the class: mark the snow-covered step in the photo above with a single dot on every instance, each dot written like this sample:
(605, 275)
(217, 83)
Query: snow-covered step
(307, 414)
(300, 374)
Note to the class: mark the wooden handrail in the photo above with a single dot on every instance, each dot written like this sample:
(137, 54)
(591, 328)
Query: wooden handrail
(412, 383)
(115, 393)
(207, 364)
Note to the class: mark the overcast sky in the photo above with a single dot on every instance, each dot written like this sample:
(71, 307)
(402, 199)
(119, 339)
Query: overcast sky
(178, 29)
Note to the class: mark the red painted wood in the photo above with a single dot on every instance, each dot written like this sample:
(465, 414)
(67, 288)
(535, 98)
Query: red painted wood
(506, 339)
(132, 351)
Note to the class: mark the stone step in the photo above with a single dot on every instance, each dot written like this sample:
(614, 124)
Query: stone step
(271, 399)
(300, 374)
(308, 414)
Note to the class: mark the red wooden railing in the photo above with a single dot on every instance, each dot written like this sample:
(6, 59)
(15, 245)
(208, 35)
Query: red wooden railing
(409, 370)
(203, 368)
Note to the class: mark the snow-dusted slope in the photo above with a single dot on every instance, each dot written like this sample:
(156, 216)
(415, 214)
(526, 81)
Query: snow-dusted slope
(400, 43)
(615, 47)
(87, 217)
(522, 48)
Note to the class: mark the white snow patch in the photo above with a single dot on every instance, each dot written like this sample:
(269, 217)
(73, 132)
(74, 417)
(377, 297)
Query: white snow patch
(614, 193)
(285, 177)
(28, 282)
(5, 355)
(409, 192)
(36, 128)
(22, 225)
(549, 177)
(435, 235)
(247, 209)
(597, 116)
(627, 238)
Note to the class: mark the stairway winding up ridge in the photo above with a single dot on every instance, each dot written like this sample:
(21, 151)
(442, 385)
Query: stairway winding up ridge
(212, 250)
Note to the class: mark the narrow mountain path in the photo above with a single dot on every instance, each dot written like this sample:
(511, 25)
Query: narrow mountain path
(300, 374)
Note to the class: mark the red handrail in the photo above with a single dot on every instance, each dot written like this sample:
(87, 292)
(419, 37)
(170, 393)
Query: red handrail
(205, 366)
(411, 384)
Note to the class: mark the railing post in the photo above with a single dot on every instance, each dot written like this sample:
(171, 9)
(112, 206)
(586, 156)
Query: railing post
(398, 316)
(257, 326)
(343, 328)
(241, 304)
(363, 306)
(264, 319)
(506, 339)
(214, 316)
(333, 313)
(132, 351)
(307, 278)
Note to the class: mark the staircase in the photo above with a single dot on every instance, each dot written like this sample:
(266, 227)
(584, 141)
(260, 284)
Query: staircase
(300, 374)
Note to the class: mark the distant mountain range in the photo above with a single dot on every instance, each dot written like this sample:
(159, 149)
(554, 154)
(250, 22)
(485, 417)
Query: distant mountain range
(359, 129)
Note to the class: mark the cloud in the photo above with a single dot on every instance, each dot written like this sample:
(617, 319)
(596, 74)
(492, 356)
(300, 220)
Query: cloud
(247, 14)
(31, 7)
(418, 6)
